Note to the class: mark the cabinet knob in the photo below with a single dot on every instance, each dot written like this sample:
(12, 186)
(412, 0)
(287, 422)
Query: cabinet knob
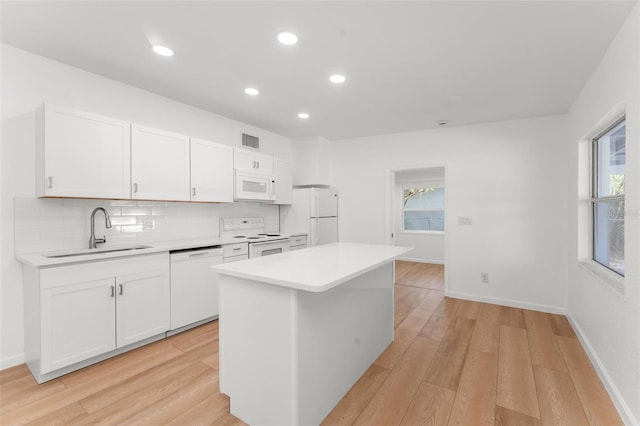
(50, 182)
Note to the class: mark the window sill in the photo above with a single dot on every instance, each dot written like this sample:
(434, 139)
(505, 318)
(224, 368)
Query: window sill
(604, 275)
(421, 233)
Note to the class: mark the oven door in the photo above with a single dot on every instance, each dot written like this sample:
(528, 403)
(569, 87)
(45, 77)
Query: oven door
(268, 248)
(250, 187)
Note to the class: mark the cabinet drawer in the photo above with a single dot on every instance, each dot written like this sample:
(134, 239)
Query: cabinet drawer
(300, 240)
(236, 258)
(235, 249)
(62, 275)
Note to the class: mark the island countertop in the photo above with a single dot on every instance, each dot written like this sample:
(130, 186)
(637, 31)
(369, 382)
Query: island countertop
(315, 269)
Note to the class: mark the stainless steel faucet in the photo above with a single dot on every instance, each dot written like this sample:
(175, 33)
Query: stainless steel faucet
(93, 241)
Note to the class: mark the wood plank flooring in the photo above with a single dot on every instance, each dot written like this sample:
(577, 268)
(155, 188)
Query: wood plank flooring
(452, 362)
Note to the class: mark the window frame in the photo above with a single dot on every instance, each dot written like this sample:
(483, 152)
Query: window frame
(594, 196)
(402, 209)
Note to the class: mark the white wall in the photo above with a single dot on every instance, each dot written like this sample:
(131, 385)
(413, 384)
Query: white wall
(608, 321)
(509, 177)
(27, 81)
(428, 248)
(312, 161)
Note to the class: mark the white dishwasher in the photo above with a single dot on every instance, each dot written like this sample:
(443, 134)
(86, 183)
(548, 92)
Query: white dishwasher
(194, 286)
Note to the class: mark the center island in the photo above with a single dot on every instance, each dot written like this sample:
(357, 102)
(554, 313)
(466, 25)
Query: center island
(298, 329)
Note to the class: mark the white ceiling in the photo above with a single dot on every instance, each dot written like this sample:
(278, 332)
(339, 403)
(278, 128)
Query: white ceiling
(408, 64)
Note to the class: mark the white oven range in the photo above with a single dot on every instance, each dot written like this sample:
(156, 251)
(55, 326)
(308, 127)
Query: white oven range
(251, 229)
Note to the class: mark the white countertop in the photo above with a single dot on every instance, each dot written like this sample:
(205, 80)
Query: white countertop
(40, 259)
(315, 269)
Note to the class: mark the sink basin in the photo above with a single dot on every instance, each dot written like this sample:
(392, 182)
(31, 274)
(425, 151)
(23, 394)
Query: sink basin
(89, 252)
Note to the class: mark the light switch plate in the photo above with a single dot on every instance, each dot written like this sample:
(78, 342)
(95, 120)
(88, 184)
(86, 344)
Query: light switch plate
(464, 221)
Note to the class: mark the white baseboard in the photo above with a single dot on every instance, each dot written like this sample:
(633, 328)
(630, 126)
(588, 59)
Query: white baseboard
(12, 361)
(418, 260)
(623, 409)
(508, 302)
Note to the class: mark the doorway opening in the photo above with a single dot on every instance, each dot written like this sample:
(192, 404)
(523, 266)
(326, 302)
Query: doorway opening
(416, 217)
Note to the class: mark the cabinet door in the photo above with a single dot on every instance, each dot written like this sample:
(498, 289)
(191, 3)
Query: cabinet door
(211, 171)
(264, 164)
(252, 161)
(159, 165)
(143, 307)
(81, 155)
(283, 175)
(77, 322)
(244, 160)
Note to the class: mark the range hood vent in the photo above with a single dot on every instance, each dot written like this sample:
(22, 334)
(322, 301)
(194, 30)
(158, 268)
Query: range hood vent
(250, 141)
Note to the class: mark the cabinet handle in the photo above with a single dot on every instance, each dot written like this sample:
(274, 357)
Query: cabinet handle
(254, 164)
(121, 289)
(113, 291)
(258, 163)
(238, 248)
(135, 187)
(193, 191)
(50, 182)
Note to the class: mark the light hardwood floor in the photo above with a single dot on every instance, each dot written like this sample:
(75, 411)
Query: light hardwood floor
(452, 362)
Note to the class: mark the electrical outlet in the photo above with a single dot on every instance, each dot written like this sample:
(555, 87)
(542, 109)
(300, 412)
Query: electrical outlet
(484, 277)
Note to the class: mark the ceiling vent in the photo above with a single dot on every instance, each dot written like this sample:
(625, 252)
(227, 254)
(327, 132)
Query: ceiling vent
(250, 141)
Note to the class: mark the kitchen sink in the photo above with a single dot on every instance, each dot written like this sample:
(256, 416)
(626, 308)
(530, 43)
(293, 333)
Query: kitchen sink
(89, 252)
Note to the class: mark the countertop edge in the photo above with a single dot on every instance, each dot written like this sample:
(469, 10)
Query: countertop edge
(37, 259)
(310, 288)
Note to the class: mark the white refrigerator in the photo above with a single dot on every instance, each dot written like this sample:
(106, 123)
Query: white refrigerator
(314, 211)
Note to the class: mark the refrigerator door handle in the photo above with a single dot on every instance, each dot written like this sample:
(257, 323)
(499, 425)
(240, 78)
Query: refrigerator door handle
(316, 209)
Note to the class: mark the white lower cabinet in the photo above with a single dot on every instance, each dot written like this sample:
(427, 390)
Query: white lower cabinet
(80, 320)
(78, 314)
(143, 306)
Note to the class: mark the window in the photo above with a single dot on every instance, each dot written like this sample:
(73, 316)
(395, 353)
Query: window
(423, 209)
(607, 196)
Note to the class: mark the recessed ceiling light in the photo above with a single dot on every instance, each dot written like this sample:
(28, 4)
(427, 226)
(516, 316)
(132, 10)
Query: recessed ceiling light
(303, 115)
(251, 91)
(162, 50)
(337, 78)
(287, 38)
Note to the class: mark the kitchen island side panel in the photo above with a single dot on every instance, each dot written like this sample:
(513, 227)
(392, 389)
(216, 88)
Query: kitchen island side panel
(258, 360)
(341, 332)
(288, 356)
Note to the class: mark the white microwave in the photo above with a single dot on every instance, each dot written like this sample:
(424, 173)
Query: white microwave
(250, 187)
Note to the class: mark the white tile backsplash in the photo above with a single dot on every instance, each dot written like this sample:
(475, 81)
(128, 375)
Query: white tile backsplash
(43, 224)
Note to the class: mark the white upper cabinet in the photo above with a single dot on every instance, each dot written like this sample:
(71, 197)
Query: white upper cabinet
(79, 154)
(84, 155)
(284, 179)
(159, 165)
(251, 161)
(211, 171)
